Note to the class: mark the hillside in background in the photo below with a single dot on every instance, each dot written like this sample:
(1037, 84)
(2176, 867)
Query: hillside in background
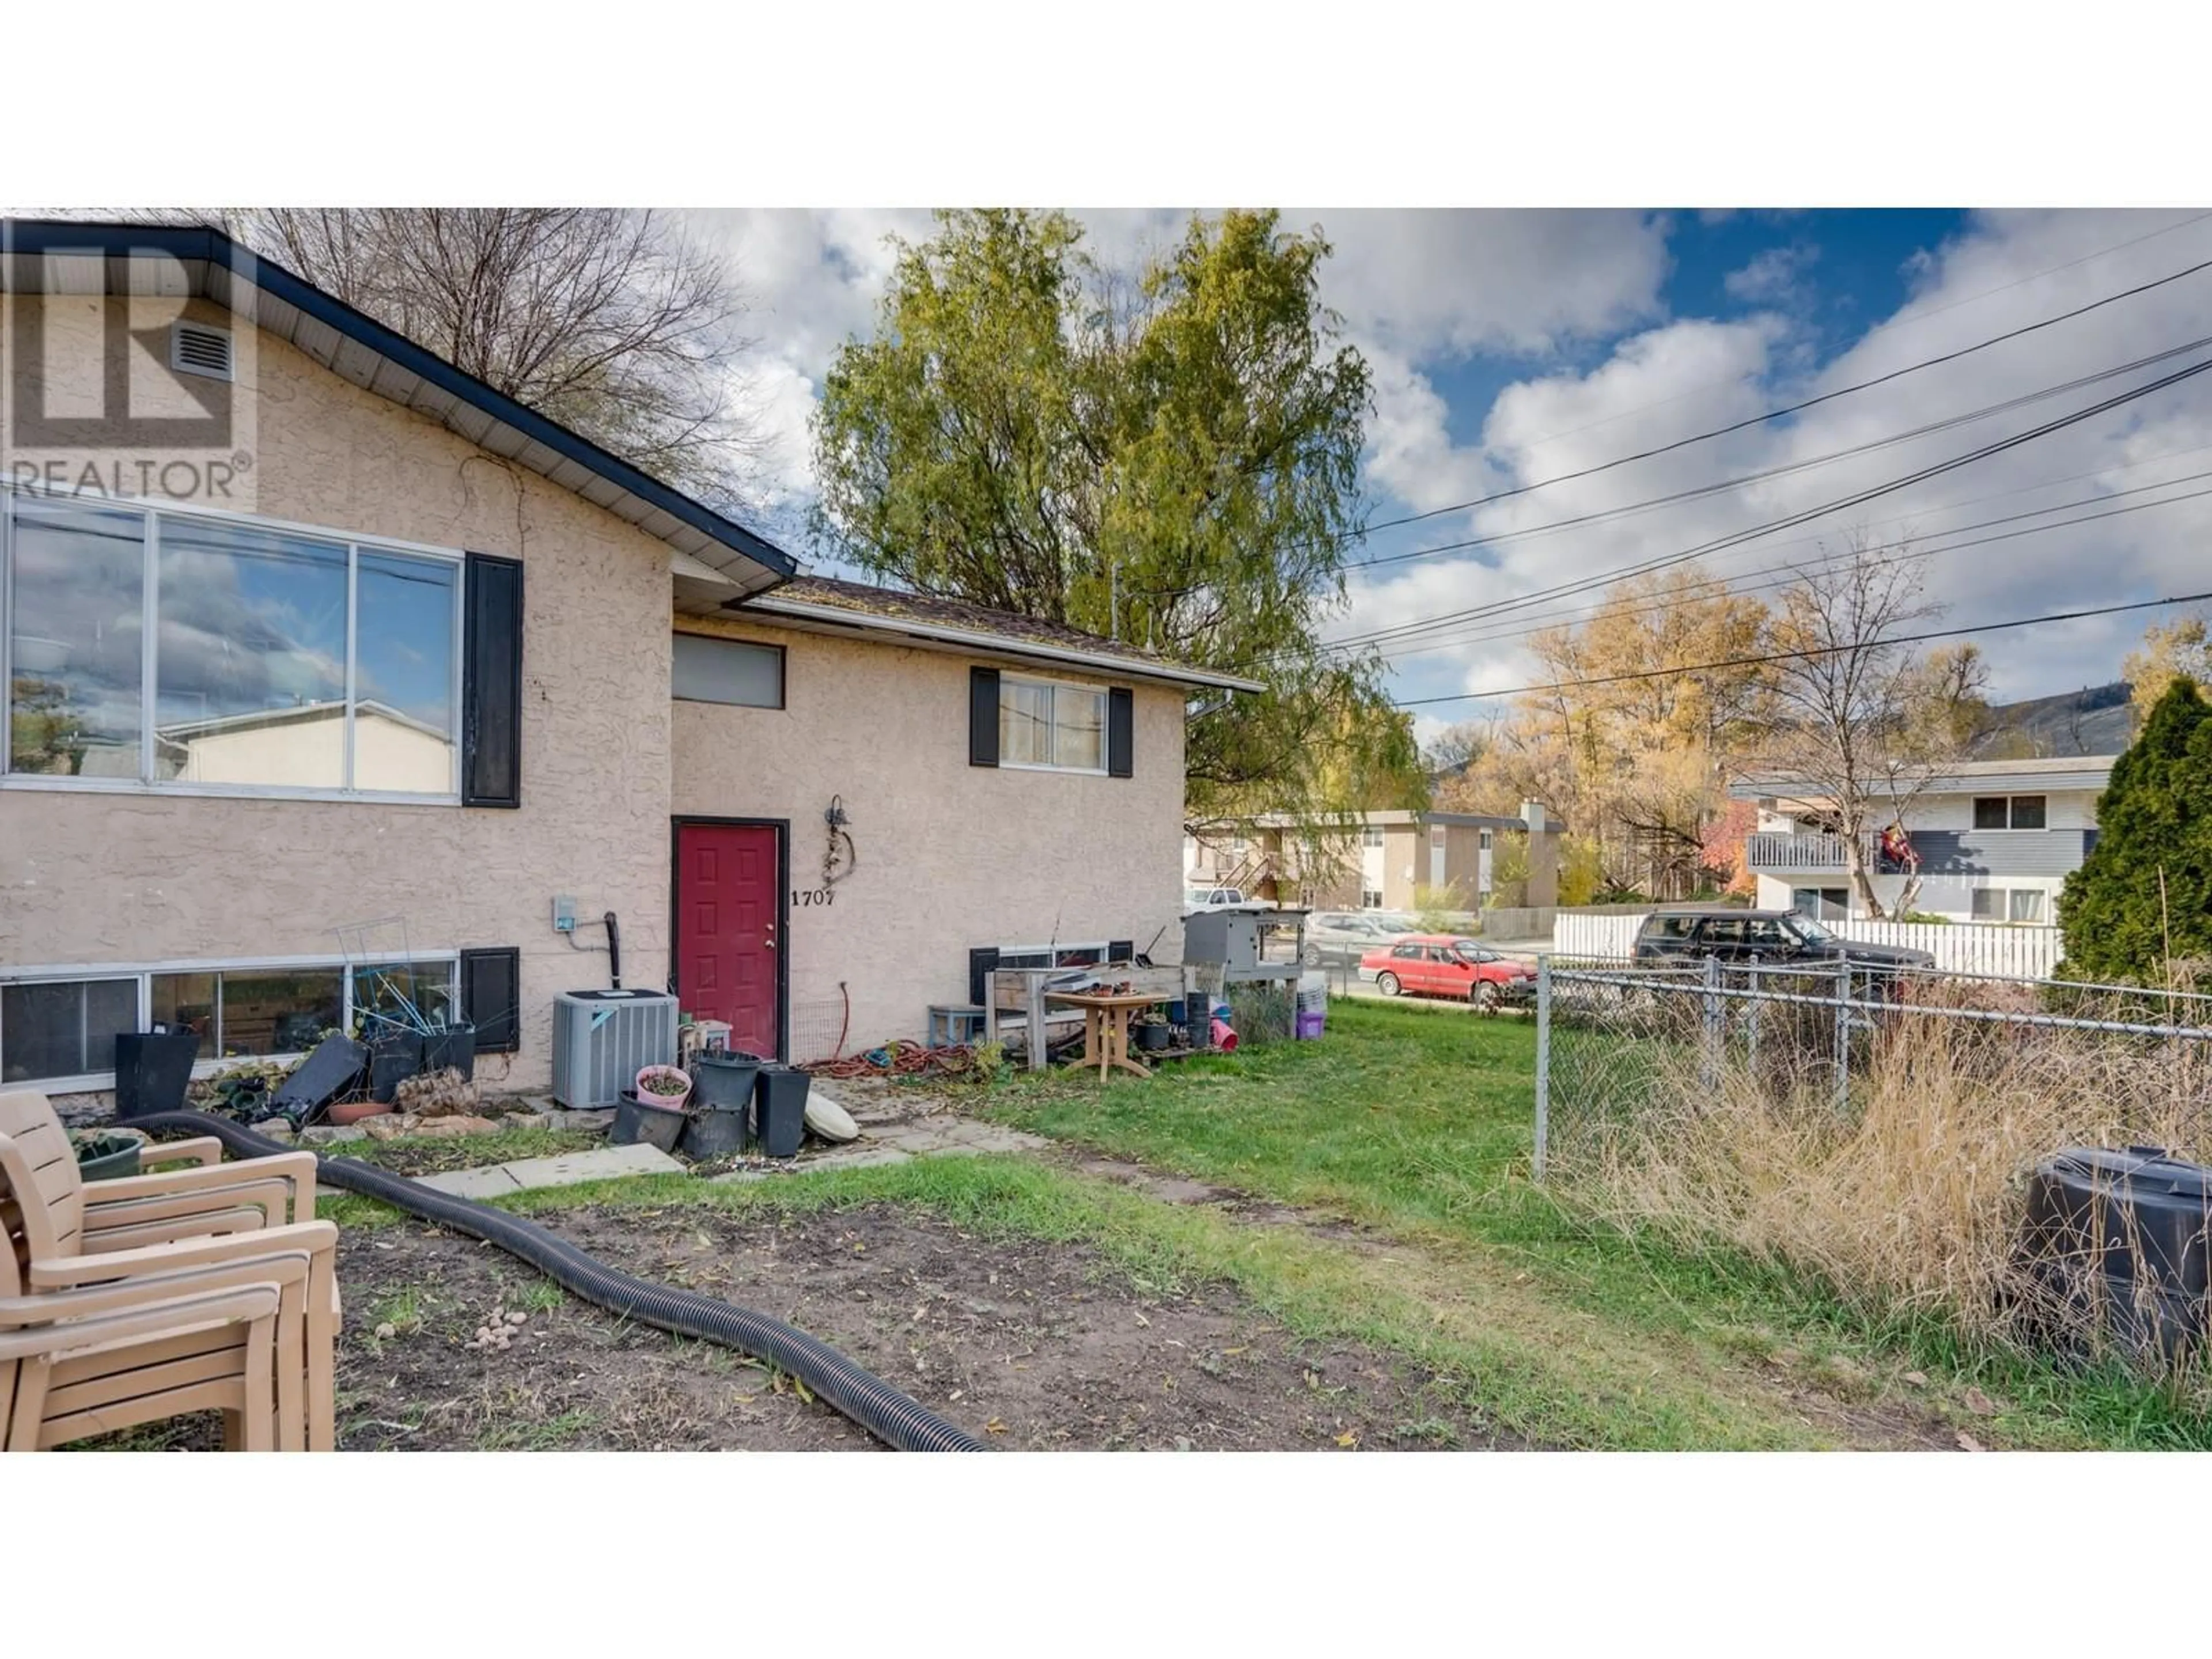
(2094, 720)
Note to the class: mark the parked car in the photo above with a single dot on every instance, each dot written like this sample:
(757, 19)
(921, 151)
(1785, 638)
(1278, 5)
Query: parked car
(1762, 936)
(1347, 935)
(1195, 899)
(1446, 965)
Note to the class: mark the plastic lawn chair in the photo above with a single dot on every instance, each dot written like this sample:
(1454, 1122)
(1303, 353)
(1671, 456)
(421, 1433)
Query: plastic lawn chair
(216, 1215)
(75, 1364)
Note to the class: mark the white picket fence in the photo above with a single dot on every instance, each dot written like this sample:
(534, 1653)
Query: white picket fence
(1967, 947)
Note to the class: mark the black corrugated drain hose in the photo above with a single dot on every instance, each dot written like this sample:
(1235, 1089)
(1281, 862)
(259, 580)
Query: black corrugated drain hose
(896, 1418)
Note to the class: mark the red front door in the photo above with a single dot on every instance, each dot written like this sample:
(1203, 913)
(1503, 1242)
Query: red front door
(727, 882)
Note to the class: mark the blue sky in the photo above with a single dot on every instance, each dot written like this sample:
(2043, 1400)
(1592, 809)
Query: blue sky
(1510, 346)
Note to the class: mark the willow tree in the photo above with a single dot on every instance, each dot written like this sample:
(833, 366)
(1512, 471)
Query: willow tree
(1170, 457)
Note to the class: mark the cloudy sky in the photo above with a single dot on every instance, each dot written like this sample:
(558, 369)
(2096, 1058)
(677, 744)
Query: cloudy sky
(1509, 347)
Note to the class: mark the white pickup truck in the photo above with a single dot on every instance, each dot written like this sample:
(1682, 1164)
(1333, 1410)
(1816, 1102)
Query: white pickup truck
(1195, 899)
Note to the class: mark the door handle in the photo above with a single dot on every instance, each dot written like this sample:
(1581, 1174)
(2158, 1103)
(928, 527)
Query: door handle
(769, 941)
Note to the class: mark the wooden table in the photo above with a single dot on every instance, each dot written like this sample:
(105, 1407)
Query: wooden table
(1106, 1019)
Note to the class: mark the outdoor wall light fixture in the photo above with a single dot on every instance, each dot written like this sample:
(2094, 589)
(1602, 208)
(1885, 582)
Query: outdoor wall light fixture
(840, 858)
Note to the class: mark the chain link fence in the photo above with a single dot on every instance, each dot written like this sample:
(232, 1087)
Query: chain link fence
(1617, 1043)
(1878, 1128)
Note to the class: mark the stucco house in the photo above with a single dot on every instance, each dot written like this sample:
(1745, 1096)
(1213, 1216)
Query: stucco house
(1377, 860)
(1991, 840)
(382, 646)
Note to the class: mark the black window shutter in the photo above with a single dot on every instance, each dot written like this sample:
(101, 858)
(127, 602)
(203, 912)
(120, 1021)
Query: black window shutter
(980, 965)
(1121, 950)
(491, 683)
(983, 717)
(491, 996)
(1121, 731)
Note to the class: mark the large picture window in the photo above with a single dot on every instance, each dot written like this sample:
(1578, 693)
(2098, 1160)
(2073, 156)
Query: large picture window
(1046, 723)
(280, 660)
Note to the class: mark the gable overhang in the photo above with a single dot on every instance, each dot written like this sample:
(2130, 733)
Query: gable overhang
(698, 594)
(41, 256)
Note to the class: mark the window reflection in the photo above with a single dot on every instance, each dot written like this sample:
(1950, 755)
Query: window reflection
(76, 649)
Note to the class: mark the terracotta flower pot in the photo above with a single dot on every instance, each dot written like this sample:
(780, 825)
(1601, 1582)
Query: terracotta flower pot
(670, 1100)
(354, 1111)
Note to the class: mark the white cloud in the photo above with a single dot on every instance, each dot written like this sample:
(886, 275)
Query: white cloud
(1774, 277)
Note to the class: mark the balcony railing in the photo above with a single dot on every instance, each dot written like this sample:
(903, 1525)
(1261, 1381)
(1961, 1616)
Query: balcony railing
(1777, 850)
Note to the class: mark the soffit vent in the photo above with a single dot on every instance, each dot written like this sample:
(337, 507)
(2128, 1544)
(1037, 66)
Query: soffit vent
(196, 348)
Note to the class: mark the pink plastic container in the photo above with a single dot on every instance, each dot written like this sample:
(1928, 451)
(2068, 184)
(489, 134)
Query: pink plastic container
(1223, 1038)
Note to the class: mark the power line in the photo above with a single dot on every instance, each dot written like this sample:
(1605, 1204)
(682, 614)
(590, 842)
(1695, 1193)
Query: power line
(1798, 571)
(1947, 507)
(1795, 408)
(1891, 329)
(1790, 521)
(1809, 654)
(1721, 486)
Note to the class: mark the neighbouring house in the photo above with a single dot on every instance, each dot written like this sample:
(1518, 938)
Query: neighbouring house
(407, 660)
(1991, 840)
(1377, 862)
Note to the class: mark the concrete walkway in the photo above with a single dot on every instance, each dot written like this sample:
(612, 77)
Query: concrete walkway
(884, 1142)
(603, 1163)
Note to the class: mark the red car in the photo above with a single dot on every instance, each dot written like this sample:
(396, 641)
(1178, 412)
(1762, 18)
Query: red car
(1440, 965)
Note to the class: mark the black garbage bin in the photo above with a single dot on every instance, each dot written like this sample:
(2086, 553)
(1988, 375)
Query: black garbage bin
(779, 1109)
(722, 1087)
(153, 1069)
(2120, 1236)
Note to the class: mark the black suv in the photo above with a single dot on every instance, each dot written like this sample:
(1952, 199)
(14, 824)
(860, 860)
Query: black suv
(1777, 936)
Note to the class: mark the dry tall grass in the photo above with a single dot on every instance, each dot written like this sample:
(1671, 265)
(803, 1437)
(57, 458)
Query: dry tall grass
(1909, 1199)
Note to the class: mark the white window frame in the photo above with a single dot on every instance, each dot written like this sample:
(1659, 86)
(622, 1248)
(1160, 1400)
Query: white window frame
(2014, 895)
(155, 512)
(1370, 898)
(145, 974)
(1055, 953)
(1055, 686)
(1370, 835)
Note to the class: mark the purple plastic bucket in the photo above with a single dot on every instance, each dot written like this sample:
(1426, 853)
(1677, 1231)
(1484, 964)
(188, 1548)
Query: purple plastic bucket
(1309, 1024)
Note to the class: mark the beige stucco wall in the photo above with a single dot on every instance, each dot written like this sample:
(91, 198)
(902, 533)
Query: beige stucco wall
(950, 856)
(142, 879)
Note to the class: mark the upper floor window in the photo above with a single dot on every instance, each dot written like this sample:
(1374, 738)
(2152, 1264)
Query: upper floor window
(1370, 835)
(2009, 811)
(1049, 723)
(740, 671)
(161, 647)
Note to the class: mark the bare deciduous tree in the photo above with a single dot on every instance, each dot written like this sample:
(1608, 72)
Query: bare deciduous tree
(1864, 725)
(614, 322)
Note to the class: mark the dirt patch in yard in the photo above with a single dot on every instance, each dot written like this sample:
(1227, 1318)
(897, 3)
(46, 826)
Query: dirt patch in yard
(1027, 1345)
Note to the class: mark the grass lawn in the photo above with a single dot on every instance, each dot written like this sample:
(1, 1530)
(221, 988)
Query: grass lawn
(1416, 1122)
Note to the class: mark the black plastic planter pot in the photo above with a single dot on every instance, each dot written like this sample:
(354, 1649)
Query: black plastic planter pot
(717, 1131)
(656, 1126)
(152, 1071)
(455, 1046)
(780, 1108)
(722, 1102)
(1151, 1039)
(394, 1058)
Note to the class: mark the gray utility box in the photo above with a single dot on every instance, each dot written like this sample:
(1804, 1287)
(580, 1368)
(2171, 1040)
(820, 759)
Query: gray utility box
(1232, 940)
(603, 1039)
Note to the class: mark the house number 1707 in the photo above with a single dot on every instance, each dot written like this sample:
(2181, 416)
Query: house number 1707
(803, 896)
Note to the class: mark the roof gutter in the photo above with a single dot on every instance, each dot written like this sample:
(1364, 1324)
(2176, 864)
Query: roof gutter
(988, 644)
